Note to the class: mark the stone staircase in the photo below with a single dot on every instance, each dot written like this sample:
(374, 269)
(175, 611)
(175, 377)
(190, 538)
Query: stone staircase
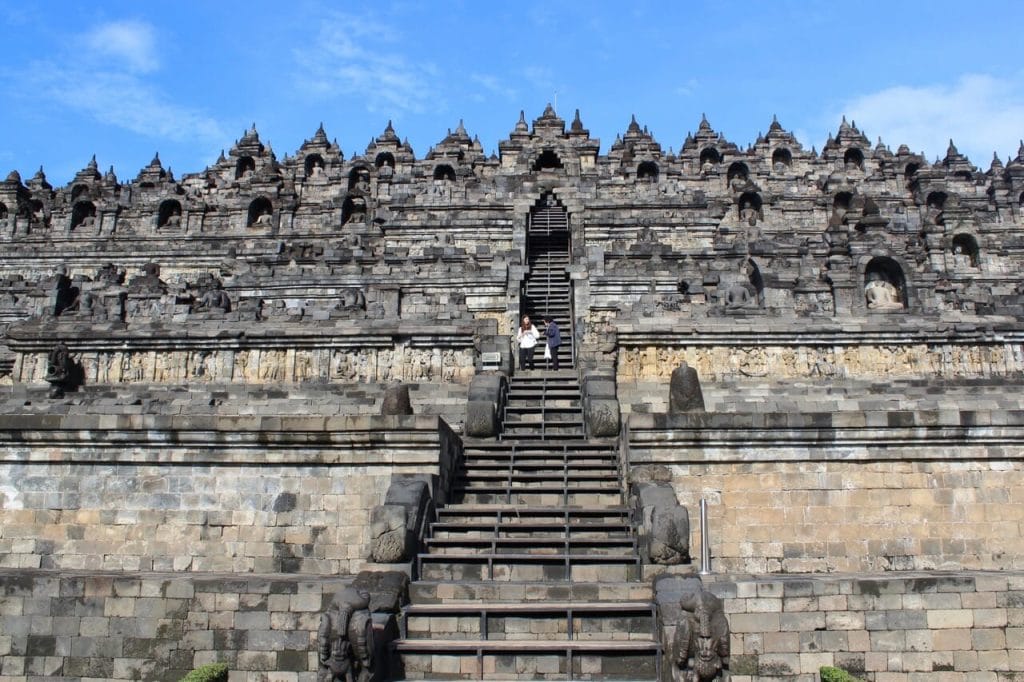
(547, 289)
(533, 573)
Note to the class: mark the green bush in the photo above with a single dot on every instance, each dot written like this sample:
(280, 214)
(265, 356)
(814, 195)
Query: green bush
(830, 674)
(211, 672)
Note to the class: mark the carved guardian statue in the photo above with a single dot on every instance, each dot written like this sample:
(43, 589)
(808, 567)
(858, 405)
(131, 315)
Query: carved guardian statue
(701, 643)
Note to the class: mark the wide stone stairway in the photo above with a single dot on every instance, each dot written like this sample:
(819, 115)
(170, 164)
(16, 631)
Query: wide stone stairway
(534, 572)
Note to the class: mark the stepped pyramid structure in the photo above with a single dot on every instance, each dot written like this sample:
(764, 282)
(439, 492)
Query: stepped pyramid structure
(271, 413)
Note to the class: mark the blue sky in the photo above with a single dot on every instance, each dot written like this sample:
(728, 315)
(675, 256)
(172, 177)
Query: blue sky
(126, 79)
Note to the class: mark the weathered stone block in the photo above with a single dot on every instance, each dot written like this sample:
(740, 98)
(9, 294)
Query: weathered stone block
(603, 418)
(684, 390)
(481, 419)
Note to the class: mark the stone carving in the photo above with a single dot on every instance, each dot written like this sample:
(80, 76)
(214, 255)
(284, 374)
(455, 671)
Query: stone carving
(701, 642)
(148, 282)
(357, 627)
(211, 296)
(351, 300)
(869, 360)
(882, 295)
(398, 525)
(110, 275)
(601, 406)
(684, 393)
(59, 370)
(663, 524)
(737, 296)
(486, 400)
(345, 641)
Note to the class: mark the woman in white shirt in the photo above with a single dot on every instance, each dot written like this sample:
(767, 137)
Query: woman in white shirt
(526, 337)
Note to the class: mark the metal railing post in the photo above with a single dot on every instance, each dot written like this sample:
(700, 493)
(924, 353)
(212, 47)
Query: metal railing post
(705, 542)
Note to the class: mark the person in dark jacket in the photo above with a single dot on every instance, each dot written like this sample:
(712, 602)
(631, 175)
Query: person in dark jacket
(554, 336)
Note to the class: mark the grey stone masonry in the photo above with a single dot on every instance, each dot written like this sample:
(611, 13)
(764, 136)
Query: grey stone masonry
(154, 626)
(954, 626)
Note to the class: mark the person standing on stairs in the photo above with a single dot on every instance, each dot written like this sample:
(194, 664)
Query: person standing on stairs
(554, 336)
(526, 338)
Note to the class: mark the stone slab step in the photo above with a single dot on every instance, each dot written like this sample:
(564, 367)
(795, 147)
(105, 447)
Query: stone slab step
(541, 456)
(478, 465)
(546, 408)
(536, 660)
(555, 621)
(533, 498)
(549, 435)
(596, 445)
(529, 567)
(497, 646)
(476, 592)
(543, 530)
(531, 545)
(569, 476)
(516, 514)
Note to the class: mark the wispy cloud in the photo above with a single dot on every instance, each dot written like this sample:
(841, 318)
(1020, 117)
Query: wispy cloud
(124, 100)
(688, 88)
(338, 64)
(110, 80)
(981, 113)
(493, 85)
(132, 43)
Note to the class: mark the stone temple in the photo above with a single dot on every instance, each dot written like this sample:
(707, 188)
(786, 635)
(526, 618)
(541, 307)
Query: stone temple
(271, 413)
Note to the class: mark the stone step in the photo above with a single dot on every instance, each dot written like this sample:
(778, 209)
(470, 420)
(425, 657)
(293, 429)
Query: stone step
(536, 545)
(503, 513)
(596, 445)
(549, 407)
(578, 660)
(522, 567)
(550, 468)
(500, 462)
(536, 422)
(477, 592)
(549, 435)
(535, 497)
(545, 530)
(605, 478)
(560, 446)
(518, 621)
(505, 457)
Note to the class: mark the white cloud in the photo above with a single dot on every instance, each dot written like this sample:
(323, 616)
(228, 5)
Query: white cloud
(493, 85)
(981, 113)
(132, 43)
(123, 100)
(355, 57)
(688, 88)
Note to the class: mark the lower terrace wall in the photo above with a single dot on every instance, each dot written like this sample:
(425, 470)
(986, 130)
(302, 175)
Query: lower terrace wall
(888, 628)
(797, 493)
(233, 494)
(158, 627)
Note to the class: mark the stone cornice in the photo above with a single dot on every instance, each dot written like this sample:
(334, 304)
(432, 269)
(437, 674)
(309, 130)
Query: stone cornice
(200, 334)
(365, 441)
(760, 330)
(900, 436)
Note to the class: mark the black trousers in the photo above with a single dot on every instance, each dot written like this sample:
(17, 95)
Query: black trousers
(525, 358)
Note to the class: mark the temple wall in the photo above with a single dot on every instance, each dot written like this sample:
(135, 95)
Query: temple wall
(241, 519)
(867, 491)
(119, 626)
(263, 366)
(813, 516)
(933, 360)
(952, 626)
(240, 495)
